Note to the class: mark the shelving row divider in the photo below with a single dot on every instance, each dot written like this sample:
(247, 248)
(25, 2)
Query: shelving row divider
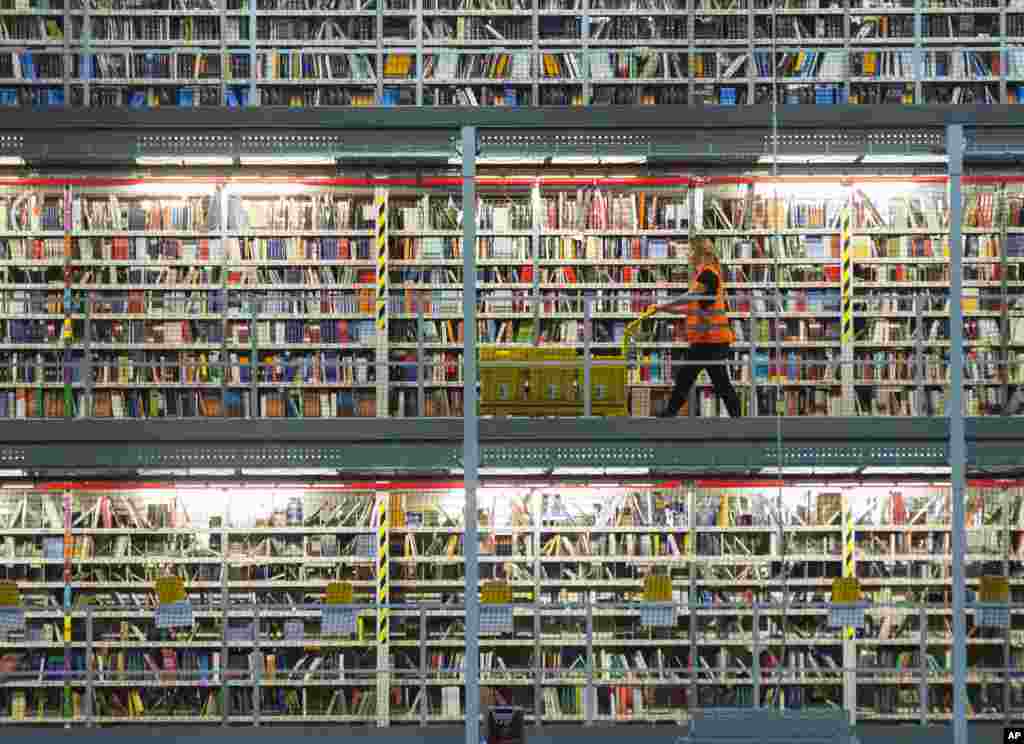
(90, 679)
(591, 663)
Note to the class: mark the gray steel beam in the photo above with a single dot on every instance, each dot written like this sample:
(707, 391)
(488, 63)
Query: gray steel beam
(430, 446)
(622, 118)
(470, 435)
(957, 433)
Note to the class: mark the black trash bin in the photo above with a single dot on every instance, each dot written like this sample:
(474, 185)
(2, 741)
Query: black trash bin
(505, 725)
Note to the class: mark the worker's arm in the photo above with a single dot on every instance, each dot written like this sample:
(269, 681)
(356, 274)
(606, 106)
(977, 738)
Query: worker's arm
(707, 286)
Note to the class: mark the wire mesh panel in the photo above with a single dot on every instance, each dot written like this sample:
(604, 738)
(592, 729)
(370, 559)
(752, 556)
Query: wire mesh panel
(658, 615)
(11, 618)
(992, 615)
(175, 615)
(846, 616)
(339, 620)
(496, 619)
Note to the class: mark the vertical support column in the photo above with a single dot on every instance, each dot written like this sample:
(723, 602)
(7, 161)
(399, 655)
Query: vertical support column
(957, 442)
(470, 434)
(90, 689)
(255, 368)
(752, 364)
(1003, 211)
(86, 405)
(920, 404)
(755, 657)
(536, 212)
(849, 635)
(1004, 58)
(691, 654)
(421, 392)
(589, 694)
(380, 199)
(918, 55)
(588, 316)
(419, 59)
(538, 666)
(847, 373)
(227, 369)
(922, 652)
(588, 84)
(68, 550)
(424, 701)
(225, 58)
(383, 611)
(254, 99)
(690, 23)
(256, 664)
(225, 596)
(84, 54)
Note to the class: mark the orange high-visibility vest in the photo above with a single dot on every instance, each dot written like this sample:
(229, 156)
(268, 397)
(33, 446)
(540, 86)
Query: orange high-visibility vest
(708, 325)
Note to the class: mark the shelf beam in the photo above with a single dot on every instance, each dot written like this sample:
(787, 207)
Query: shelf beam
(162, 449)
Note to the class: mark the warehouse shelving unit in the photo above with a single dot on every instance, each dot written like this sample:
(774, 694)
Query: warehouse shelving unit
(751, 558)
(201, 53)
(205, 297)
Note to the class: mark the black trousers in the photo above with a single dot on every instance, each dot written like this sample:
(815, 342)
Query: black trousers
(712, 355)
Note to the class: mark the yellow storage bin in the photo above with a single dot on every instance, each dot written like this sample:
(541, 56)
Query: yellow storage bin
(554, 385)
(503, 385)
(607, 384)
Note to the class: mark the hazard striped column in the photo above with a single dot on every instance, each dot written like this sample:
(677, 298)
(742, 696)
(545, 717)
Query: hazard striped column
(383, 612)
(381, 304)
(848, 374)
(849, 634)
(849, 570)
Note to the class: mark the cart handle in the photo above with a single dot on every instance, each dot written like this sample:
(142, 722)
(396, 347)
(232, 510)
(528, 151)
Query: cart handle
(634, 326)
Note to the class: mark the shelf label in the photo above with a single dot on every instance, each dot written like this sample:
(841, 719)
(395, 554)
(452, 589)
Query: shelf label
(658, 589)
(339, 593)
(497, 592)
(994, 589)
(846, 590)
(170, 589)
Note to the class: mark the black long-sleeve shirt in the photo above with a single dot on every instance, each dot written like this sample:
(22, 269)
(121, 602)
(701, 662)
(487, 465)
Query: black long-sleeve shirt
(710, 281)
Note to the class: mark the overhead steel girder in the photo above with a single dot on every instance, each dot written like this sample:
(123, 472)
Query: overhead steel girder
(98, 137)
(425, 446)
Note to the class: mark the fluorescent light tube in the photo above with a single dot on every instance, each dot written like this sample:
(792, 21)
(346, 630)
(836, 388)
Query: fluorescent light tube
(211, 471)
(12, 473)
(11, 160)
(911, 470)
(184, 160)
(162, 472)
(811, 470)
(288, 160)
(287, 472)
(602, 471)
(557, 160)
(904, 158)
(801, 159)
(501, 471)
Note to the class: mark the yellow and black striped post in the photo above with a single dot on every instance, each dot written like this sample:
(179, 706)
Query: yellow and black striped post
(381, 209)
(381, 305)
(849, 570)
(847, 373)
(383, 612)
(383, 567)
